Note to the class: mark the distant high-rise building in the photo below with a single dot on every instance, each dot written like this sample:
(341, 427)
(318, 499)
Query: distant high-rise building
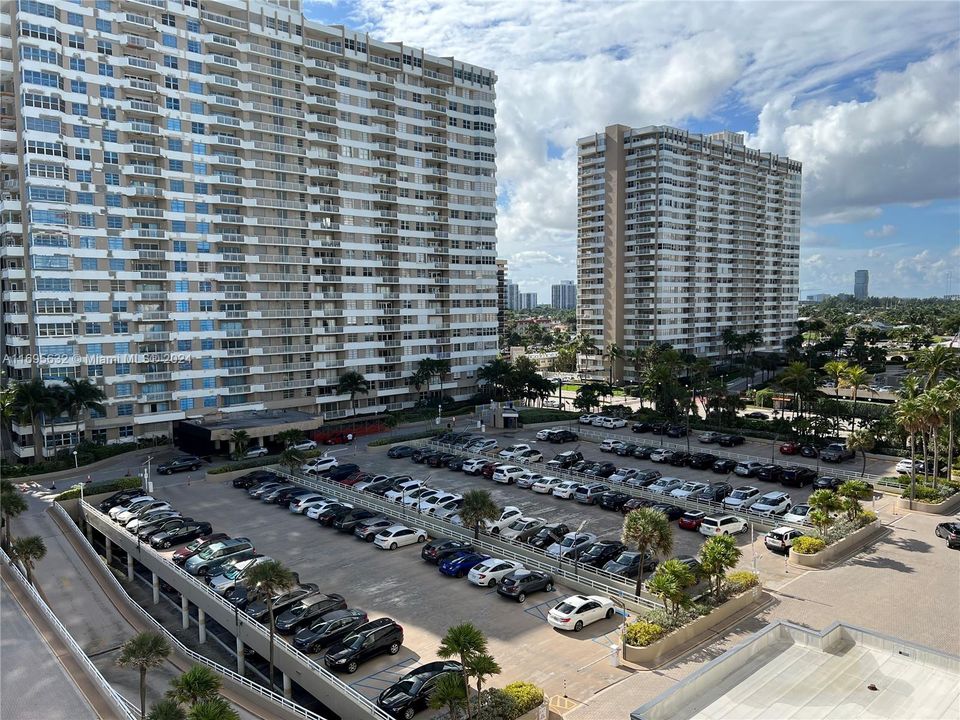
(861, 284)
(528, 301)
(564, 295)
(513, 296)
(817, 297)
(682, 236)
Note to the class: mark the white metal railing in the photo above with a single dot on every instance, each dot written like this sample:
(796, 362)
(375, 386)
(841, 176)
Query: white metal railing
(120, 704)
(250, 623)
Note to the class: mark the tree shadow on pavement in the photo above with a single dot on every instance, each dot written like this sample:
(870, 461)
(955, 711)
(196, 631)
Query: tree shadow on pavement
(909, 544)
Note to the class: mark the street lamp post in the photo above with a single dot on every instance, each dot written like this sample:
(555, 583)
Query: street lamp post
(76, 461)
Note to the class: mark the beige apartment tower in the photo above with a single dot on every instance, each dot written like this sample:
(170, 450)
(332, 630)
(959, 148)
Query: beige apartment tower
(681, 235)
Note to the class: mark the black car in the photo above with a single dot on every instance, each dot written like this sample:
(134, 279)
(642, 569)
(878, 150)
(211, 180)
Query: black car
(627, 564)
(258, 610)
(626, 450)
(420, 455)
(636, 504)
(284, 497)
(382, 487)
(659, 428)
(676, 431)
(680, 458)
(348, 523)
(640, 427)
(564, 436)
(520, 583)
(757, 415)
(798, 476)
(119, 498)
(328, 629)
(949, 531)
(671, 511)
(342, 472)
(333, 513)
(583, 465)
(770, 473)
(147, 531)
(809, 451)
(369, 529)
(307, 609)
(613, 500)
(367, 641)
(603, 470)
(714, 492)
(184, 533)
(180, 464)
(412, 692)
(436, 551)
(724, 466)
(253, 478)
(456, 463)
(599, 553)
(827, 483)
(731, 440)
(702, 461)
(548, 535)
(440, 459)
(400, 451)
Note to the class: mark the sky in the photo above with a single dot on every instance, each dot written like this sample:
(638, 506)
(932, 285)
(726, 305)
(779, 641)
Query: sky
(866, 95)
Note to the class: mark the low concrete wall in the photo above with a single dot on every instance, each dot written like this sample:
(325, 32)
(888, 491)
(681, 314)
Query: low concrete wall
(943, 508)
(234, 474)
(665, 647)
(843, 547)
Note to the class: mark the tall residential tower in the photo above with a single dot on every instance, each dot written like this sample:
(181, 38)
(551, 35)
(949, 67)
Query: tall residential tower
(861, 284)
(682, 235)
(564, 295)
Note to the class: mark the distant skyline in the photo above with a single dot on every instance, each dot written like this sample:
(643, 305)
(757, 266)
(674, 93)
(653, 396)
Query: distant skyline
(865, 95)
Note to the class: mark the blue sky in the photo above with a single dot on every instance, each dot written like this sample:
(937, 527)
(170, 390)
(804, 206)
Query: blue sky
(866, 95)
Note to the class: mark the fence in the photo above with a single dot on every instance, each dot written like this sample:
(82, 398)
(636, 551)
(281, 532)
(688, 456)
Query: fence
(120, 705)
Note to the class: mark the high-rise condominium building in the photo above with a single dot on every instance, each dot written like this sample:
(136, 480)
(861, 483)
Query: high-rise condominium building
(220, 206)
(861, 284)
(513, 296)
(682, 235)
(501, 296)
(564, 295)
(528, 301)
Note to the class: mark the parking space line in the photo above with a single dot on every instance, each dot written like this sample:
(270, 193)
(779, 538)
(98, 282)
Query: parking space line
(370, 681)
(537, 609)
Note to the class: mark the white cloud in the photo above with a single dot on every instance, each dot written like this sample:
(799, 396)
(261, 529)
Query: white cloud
(881, 232)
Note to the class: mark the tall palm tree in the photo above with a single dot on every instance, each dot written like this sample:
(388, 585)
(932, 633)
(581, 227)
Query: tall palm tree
(797, 379)
(196, 684)
(478, 505)
(651, 532)
(614, 352)
(267, 580)
(951, 403)
(31, 402)
(823, 503)
(930, 363)
(481, 667)
(494, 376)
(836, 370)
(909, 415)
(7, 412)
(12, 505)
(290, 437)
(441, 368)
(934, 402)
(144, 652)
(862, 441)
(463, 641)
(82, 396)
(240, 440)
(353, 383)
(718, 554)
(215, 708)
(291, 459)
(448, 693)
(855, 378)
(29, 551)
(166, 709)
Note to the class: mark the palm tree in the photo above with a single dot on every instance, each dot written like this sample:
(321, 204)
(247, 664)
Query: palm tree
(28, 550)
(836, 370)
(494, 375)
(909, 415)
(291, 459)
(934, 403)
(448, 692)
(7, 396)
(823, 503)
(81, 396)
(290, 437)
(478, 506)
(167, 709)
(951, 403)
(482, 666)
(932, 362)
(670, 582)
(855, 378)
(799, 380)
(240, 440)
(215, 708)
(851, 493)
(31, 402)
(144, 651)
(862, 441)
(353, 383)
(652, 533)
(614, 352)
(12, 504)
(196, 684)
(267, 580)
(465, 642)
(718, 554)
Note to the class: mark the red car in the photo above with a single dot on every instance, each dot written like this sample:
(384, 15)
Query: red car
(355, 478)
(188, 551)
(691, 519)
(790, 448)
(489, 469)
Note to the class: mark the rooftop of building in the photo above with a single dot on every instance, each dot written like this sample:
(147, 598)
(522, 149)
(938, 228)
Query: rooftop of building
(788, 671)
(252, 419)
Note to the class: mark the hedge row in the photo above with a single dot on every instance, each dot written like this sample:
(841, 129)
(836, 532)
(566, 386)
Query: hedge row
(86, 454)
(531, 416)
(406, 438)
(258, 462)
(110, 486)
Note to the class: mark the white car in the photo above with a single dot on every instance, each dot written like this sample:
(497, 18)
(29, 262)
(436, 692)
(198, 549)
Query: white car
(319, 464)
(507, 474)
(747, 469)
(256, 452)
(431, 504)
(611, 445)
(490, 572)
(546, 433)
(623, 474)
(228, 579)
(136, 511)
(403, 489)
(508, 453)
(566, 489)
(578, 611)
(522, 526)
(741, 497)
(611, 423)
(546, 485)
(905, 468)
(598, 420)
(481, 445)
(586, 419)
(687, 489)
(448, 510)
(114, 512)
(773, 503)
(527, 479)
(507, 516)
(660, 455)
(665, 485)
(399, 535)
(472, 467)
(301, 504)
(571, 544)
(314, 511)
(134, 524)
(421, 496)
(530, 455)
(723, 525)
(304, 445)
(797, 514)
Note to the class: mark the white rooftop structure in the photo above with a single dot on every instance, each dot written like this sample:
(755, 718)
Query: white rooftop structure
(787, 671)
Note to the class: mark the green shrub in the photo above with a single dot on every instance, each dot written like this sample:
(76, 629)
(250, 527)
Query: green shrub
(866, 517)
(924, 494)
(741, 580)
(110, 486)
(496, 704)
(808, 545)
(406, 438)
(86, 453)
(531, 416)
(641, 633)
(526, 696)
(258, 462)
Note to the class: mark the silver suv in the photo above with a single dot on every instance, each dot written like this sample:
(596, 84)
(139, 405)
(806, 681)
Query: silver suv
(214, 554)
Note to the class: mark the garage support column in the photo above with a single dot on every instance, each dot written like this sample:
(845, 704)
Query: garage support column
(109, 546)
(129, 567)
(240, 668)
(287, 687)
(202, 624)
(89, 533)
(184, 612)
(156, 588)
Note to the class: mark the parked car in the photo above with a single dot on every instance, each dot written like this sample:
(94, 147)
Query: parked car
(613, 499)
(270, 497)
(147, 516)
(459, 563)
(147, 531)
(319, 465)
(599, 553)
(490, 468)
(546, 433)
(741, 498)
(209, 556)
(481, 445)
(636, 504)
(564, 436)
(680, 458)
(341, 473)
(399, 535)
(626, 450)
(522, 529)
(299, 505)
(365, 642)
(671, 511)
(627, 564)
(507, 516)
(136, 509)
(546, 485)
(691, 519)
(303, 445)
(691, 487)
(308, 609)
(400, 451)
(333, 512)
(528, 456)
(724, 466)
(412, 692)
(905, 467)
(757, 415)
(691, 562)
(507, 474)
(315, 509)
(180, 464)
(440, 549)
(661, 455)
(611, 445)
(772, 504)
(702, 461)
(548, 535)
(328, 629)
(676, 431)
(714, 492)
(566, 459)
(644, 478)
(282, 601)
(402, 490)
(644, 452)
(723, 525)
(781, 539)
(183, 533)
(949, 531)
(348, 522)
(836, 453)
(446, 510)
(640, 427)
(797, 514)
(571, 544)
(612, 423)
(809, 451)
(709, 437)
(589, 493)
(566, 489)
(473, 467)
(527, 479)
(748, 468)
(440, 459)
(770, 473)
(587, 419)
(509, 452)
(578, 611)
(232, 576)
(601, 469)
(520, 583)
(665, 485)
(120, 497)
(790, 448)
(368, 530)
(489, 572)
(255, 452)
(827, 483)
(798, 476)
(180, 556)
(731, 440)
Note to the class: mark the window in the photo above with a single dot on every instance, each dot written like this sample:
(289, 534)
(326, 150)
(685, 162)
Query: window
(50, 217)
(206, 306)
(176, 165)
(172, 103)
(206, 344)
(41, 32)
(48, 125)
(51, 194)
(114, 200)
(177, 206)
(94, 370)
(185, 384)
(104, 25)
(28, 52)
(111, 178)
(104, 47)
(99, 436)
(45, 148)
(44, 79)
(51, 262)
(171, 83)
(81, 110)
(180, 246)
(206, 325)
(75, 42)
(84, 198)
(125, 410)
(209, 382)
(210, 401)
(117, 264)
(78, 64)
(107, 92)
(181, 286)
(176, 186)
(121, 348)
(178, 226)
(169, 40)
(183, 306)
(118, 306)
(105, 69)
(125, 432)
(168, 20)
(199, 148)
(184, 345)
(81, 153)
(114, 243)
(108, 113)
(111, 157)
(122, 368)
(109, 135)
(115, 222)
(197, 108)
(174, 145)
(186, 403)
(43, 101)
(194, 66)
(91, 306)
(170, 61)
(81, 131)
(200, 188)
(201, 208)
(193, 25)
(92, 328)
(38, 8)
(193, 46)
(183, 326)
(196, 87)
(120, 327)
(173, 124)
(83, 175)
(203, 246)
(198, 128)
